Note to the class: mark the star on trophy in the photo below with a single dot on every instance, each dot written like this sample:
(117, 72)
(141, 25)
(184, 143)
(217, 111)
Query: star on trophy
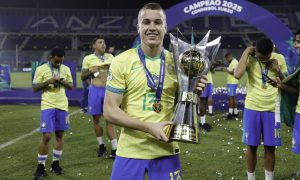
(191, 62)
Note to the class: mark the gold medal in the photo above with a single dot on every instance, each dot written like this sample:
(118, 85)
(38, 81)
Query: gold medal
(157, 106)
(264, 86)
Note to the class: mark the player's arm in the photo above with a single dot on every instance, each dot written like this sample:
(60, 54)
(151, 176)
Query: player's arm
(114, 114)
(230, 71)
(40, 86)
(275, 67)
(66, 84)
(241, 67)
(86, 73)
(280, 85)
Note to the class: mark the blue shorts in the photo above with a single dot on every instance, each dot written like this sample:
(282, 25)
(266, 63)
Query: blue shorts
(54, 120)
(164, 168)
(259, 125)
(96, 100)
(207, 91)
(296, 135)
(231, 89)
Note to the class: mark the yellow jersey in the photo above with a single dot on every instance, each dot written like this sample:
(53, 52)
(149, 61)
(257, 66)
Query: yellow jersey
(209, 77)
(53, 97)
(259, 98)
(127, 76)
(230, 78)
(92, 60)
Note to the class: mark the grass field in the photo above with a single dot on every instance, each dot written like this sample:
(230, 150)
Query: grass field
(23, 79)
(220, 154)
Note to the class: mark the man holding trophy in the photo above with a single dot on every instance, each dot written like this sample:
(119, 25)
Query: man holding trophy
(143, 81)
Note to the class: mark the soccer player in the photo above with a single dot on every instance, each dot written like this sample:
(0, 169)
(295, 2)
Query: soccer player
(259, 117)
(52, 79)
(290, 86)
(206, 101)
(232, 84)
(95, 66)
(143, 147)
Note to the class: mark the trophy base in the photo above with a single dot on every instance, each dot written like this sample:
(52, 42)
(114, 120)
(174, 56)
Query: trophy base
(182, 133)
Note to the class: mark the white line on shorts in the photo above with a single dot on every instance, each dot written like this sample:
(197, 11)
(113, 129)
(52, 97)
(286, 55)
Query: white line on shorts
(28, 134)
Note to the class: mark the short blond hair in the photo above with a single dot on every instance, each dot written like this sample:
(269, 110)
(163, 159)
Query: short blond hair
(152, 6)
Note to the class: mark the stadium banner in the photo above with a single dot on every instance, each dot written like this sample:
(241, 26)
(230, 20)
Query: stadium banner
(5, 81)
(243, 10)
(72, 66)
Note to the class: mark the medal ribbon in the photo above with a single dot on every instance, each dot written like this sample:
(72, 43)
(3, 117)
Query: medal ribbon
(150, 81)
(102, 58)
(264, 72)
(52, 70)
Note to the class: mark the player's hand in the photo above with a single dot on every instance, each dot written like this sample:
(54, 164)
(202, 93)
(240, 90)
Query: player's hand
(201, 84)
(53, 80)
(273, 63)
(157, 130)
(94, 70)
(275, 82)
(250, 50)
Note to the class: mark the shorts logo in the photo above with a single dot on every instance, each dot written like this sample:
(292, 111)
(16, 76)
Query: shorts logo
(110, 76)
(43, 125)
(246, 137)
(293, 143)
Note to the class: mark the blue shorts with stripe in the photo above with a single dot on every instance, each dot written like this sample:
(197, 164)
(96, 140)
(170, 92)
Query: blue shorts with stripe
(261, 126)
(54, 120)
(164, 168)
(207, 91)
(96, 100)
(231, 89)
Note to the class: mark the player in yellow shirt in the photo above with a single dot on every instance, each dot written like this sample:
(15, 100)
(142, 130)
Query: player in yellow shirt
(52, 79)
(138, 78)
(293, 89)
(95, 66)
(205, 101)
(259, 117)
(232, 84)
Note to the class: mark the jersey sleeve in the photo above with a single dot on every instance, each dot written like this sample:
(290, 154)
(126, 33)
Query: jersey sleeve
(85, 64)
(282, 65)
(116, 77)
(38, 76)
(69, 78)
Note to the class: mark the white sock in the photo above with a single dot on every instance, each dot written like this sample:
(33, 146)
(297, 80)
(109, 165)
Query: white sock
(114, 144)
(230, 110)
(202, 118)
(210, 109)
(236, 111)
(269, 175)
(251, 176)
(56, 154)
(100, 140)
(42, 159)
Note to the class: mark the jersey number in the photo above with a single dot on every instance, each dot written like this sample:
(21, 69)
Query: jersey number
(174, 175)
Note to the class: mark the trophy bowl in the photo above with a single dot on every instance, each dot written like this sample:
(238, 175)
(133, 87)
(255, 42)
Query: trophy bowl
(191, 62)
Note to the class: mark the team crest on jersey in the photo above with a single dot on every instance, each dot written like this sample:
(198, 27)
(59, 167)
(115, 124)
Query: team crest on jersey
(110, 76)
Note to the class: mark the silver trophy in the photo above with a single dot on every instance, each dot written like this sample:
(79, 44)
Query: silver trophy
(191, 62)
